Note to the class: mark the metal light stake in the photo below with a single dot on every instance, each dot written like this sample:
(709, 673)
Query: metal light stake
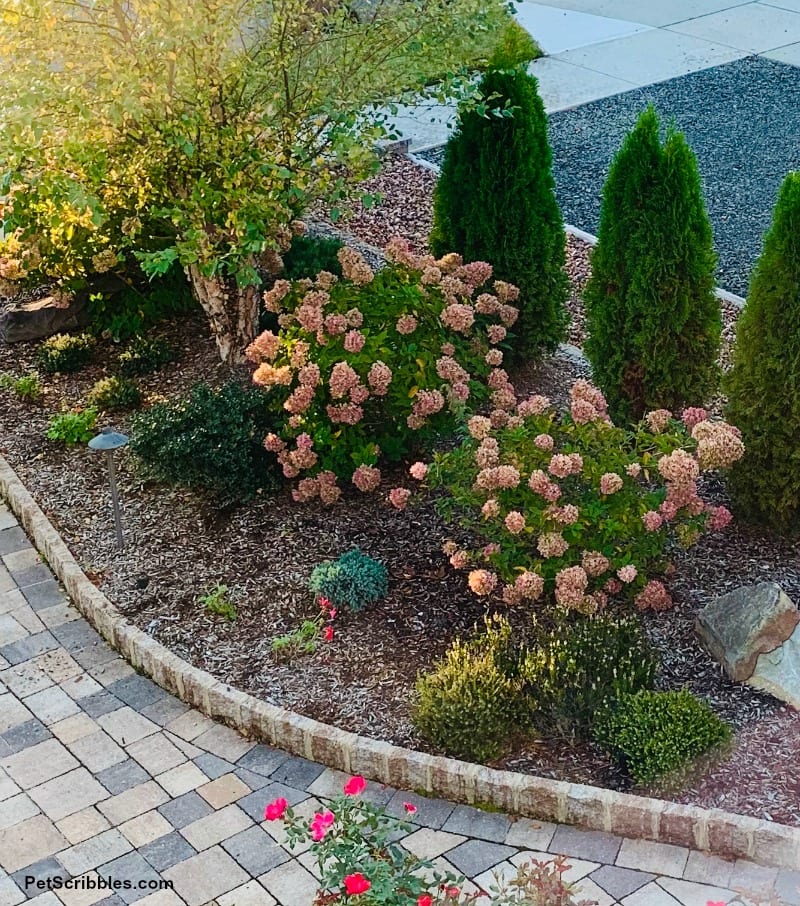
(109, 440)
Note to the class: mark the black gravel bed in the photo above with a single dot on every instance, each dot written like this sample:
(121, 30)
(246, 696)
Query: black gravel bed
(742, 120)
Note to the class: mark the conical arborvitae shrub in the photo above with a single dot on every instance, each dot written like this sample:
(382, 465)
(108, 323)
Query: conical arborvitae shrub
(653, 321)
(764, 384)
(495, 202)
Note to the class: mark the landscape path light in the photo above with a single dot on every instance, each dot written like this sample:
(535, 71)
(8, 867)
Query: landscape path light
(109, 440)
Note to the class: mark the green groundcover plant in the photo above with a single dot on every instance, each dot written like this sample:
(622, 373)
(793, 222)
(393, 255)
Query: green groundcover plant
(571, 507)
(352, 841)
(376, 365)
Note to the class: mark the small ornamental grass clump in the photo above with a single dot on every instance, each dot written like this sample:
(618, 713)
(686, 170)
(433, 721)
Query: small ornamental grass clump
(570, 507)
(471, 704)
(113, 393)
(144, 355)
(352, 842)
(354, 580)
(581, 670)
(375, 364)
(65, 352)
(654, 733)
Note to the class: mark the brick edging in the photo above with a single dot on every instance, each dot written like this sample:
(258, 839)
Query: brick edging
(711, 830)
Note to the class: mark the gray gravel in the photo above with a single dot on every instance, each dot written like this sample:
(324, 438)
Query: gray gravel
(742, 120)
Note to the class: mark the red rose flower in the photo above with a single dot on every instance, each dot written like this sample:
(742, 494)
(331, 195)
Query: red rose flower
(356, 883)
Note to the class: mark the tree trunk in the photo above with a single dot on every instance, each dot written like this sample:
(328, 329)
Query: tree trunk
(232, 312)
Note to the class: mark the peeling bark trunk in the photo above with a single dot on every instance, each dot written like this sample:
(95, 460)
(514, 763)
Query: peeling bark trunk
(232, 312)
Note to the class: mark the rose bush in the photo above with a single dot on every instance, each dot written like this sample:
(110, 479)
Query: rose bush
(571, 506)
(377, 364)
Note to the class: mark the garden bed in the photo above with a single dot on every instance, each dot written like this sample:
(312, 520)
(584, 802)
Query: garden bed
(180, 545)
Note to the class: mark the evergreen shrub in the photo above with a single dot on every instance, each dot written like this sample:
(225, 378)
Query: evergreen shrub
(653, 321)
(354, 580)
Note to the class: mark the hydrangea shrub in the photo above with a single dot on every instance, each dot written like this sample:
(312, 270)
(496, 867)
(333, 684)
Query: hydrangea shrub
(572, 507)
(377, 364)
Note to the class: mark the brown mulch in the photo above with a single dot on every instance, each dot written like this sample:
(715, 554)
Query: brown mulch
(179, 544)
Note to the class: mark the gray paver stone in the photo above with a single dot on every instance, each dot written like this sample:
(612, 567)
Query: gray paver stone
(123, 776)
(12, 540)
(26, 878)
(476, 856)
(130, 867)
(100, 703)
(188, 808)
(206, 876)
(214, 767)
(45, 594)
(24, 735)
(136, 691)
(593, 846)
(430, 812)
(165, 710)
(787, 887)
(256, 802)
(167, 851)
(254, 781)
(619, 882)
(297, 772)
(262, 760)
(28, 648)
(256, 851)
(472, 822)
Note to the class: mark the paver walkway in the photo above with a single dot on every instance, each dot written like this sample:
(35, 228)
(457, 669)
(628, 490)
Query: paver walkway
(599, 48)
(103, 774)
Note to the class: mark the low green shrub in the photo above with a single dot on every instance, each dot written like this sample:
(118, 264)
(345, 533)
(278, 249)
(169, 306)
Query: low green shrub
(217, 600)
(469, 705)
(308, 255)
(72, 428)
(27, 387)
(354, 580)
(210, 439)
(653, 733)
(112, 393)
(145, 355)
(580, 670)
(65, 352)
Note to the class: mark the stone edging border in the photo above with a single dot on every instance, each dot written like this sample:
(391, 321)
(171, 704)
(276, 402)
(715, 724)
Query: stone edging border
(713, 831)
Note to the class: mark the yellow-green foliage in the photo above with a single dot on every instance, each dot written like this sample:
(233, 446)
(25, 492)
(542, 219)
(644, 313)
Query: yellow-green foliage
(159, 132)
(469, 705)
(65, 352)
(113, 393)
(653, 733)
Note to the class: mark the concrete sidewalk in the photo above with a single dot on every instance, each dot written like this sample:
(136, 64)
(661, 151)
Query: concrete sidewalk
(599, 48)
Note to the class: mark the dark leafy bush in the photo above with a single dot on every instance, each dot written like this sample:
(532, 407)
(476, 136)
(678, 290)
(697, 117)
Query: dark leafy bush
(141, 305)
(469, 705)
(495, 202)
(145, 355)
(762, 386)
(211, 439)
(654, 323)
(653, 733)
(113, 393)
(308, 255)
(65, 352)
(71, 428)
(582, 669)
(354, 580)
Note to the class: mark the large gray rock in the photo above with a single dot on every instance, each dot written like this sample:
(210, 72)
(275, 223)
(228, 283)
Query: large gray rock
(24, 321)
(778, 671)
(739, 627)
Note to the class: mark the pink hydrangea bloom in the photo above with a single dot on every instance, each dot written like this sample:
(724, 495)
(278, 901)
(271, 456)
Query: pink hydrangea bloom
(495, 332)
(448, 349)
(458, 317)
(652, 521)
(309, 375)
(335, 324)
(657, 420)
(366, 478)
(273, 443)
(654, 596)
(506, 292)
(345, 414)
(427, 402)
(693, 415)
(342, 380)
(273, 297)
(719, 518)
(354, 341)
(627, 574)
(487, 304)
(399, 497)
(497, 477)
(594, 563)
(264, 348)
(571, 586)
(299, 400)
(610, 483)
(515, 522)
(560, 465)
(459, 560)
(544, 442)
(534, 405)
(476, 273)
(679, 466)
(529, 585)
(552, 544)
(460, 392)
(267, 375)
(449, 370)
(406, 324)
(379, 378)
(329, 491)
(354, 267)
(355, 317)
(479, 427)
(490, 509)
(419, 470)
(482, 582)
(634, 470)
